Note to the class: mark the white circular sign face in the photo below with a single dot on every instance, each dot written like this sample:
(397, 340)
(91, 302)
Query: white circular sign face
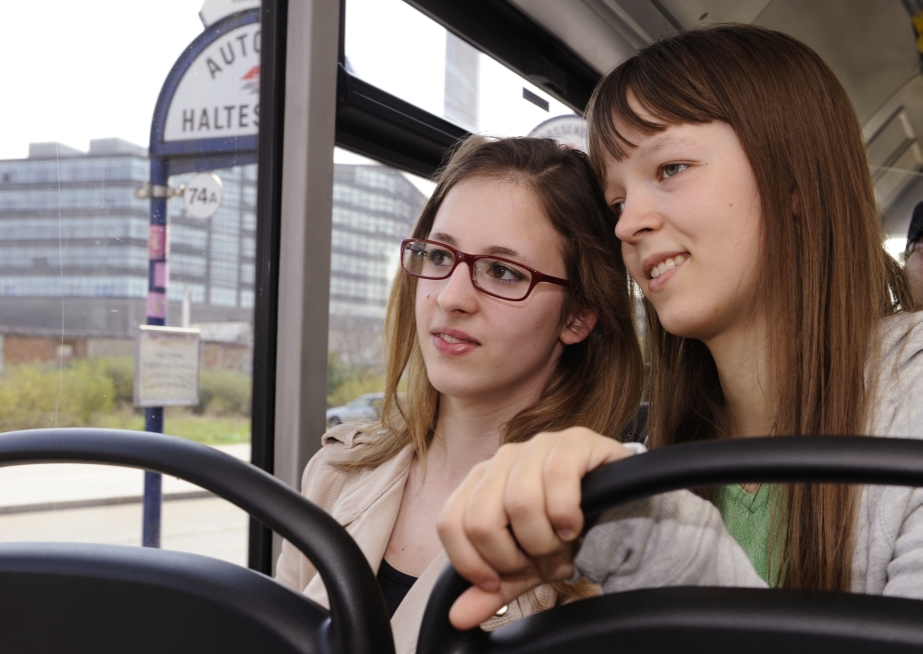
(566, 130)
(202, 196)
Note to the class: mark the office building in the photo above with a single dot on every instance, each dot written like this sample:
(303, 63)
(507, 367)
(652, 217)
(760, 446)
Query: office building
(73, 245)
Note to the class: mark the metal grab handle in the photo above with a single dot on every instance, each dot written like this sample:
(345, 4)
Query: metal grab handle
(777, 459)
(359, 617)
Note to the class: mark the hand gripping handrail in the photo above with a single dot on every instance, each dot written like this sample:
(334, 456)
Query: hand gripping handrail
(359, 619)
(778, 459)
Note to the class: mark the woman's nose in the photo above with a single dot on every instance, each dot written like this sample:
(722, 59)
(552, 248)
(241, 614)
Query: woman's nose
(458, 292)
(640, 216)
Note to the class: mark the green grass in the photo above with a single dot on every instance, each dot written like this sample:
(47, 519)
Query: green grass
(206, 429)
(98, 393)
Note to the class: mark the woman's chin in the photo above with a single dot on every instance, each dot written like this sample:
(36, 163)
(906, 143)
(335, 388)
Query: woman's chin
(468, 391)
(454, 389)
(681, 324)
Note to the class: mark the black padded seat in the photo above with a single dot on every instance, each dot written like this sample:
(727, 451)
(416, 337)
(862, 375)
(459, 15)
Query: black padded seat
(132, 599)
(58, 598)
(702, 620)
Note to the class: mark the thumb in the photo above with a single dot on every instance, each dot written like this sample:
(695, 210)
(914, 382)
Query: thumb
(475, 606)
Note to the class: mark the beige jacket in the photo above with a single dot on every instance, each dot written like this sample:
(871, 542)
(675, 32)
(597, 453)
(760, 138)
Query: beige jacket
(366, 504)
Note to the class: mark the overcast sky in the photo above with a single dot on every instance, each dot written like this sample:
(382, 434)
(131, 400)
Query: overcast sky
(83, 69)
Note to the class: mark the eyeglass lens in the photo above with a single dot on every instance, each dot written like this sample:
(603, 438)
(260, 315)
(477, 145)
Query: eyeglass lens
(500, 278)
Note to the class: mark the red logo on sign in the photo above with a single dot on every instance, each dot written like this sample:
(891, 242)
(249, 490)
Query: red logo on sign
(252, 81)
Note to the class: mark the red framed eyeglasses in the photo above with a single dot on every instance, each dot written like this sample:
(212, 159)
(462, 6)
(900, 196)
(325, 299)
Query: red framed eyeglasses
(492, 275)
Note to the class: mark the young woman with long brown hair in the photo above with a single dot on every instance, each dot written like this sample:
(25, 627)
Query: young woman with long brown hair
(747, 217)
(512, 316)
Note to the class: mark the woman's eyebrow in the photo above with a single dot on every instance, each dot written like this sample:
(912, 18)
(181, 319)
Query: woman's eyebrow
(496, 250)
(443, 238)
(500, 250)
(660, 142)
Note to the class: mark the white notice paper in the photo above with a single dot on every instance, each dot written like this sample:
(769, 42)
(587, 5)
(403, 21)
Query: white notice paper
(167, 367)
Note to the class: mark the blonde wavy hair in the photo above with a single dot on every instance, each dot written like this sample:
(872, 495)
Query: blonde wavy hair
(597, 383)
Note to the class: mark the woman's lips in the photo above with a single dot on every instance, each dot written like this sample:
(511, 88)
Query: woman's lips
(453, 342)
(668, 264)
(663, 271)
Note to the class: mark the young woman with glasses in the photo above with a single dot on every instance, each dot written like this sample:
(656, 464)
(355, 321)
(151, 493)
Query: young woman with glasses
(512, 316)
(747, 217)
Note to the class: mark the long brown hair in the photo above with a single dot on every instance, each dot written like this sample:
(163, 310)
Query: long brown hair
(824, 274)
(597, 382)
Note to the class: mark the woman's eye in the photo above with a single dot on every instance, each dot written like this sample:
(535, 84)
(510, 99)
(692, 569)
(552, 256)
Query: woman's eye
(439, 257)
(618, 208)
(672, 169)
(505, 273)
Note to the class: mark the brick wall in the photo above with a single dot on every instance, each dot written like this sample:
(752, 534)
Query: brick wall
(226, 356)
(17, 350)
(39, 349)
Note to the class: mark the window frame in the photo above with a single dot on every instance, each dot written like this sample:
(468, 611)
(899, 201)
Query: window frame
(376, 124)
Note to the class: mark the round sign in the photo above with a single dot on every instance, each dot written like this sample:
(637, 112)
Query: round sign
(202, 196)
(567, 130)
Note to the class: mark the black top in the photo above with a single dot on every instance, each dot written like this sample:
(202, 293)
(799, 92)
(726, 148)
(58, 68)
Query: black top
(394, 585)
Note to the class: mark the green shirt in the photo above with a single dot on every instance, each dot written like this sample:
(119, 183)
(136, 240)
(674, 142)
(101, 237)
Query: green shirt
(747, 518)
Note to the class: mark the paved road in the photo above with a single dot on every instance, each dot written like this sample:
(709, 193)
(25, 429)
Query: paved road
(209, 526)
(35, 485)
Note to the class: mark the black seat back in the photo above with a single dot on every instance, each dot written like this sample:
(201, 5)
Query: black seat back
(67, 597)
(77, 597)
(712, 620)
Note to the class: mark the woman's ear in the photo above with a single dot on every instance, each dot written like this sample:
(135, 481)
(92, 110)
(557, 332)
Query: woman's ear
(578, 327)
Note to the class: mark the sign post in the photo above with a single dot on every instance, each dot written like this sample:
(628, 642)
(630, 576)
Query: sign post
(157, 277)
(206, 117)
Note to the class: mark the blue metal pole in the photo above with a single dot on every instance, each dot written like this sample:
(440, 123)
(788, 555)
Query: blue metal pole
(158, 248)
(150, 529)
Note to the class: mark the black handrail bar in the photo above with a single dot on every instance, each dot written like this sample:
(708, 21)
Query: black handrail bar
(778, 459)
(359, 617)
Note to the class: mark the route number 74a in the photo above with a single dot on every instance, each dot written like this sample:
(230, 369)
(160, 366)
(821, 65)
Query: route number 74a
(202, 196)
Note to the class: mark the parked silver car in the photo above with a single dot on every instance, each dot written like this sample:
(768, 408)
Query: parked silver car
(363, 408)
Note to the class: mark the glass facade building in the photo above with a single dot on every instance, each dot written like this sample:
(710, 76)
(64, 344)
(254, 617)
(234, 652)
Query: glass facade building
(72, 228)
(374, 207)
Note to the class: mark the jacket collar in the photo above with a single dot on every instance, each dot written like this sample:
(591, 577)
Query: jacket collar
(370, 486)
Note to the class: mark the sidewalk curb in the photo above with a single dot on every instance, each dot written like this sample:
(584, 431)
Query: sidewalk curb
(101, 501)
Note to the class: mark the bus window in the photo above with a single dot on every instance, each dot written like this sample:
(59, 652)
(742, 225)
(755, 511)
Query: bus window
(75, 240)
(374, 207)
(398, 49)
